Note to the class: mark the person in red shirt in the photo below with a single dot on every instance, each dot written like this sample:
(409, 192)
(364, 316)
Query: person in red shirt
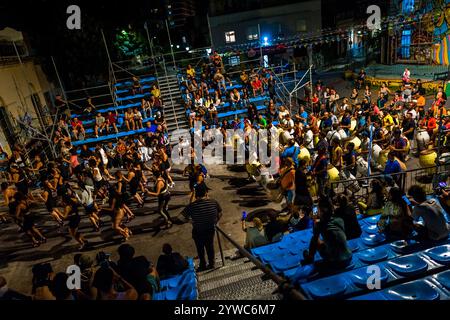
(111, 120)
(77, 129)
(257, 86)
(429, 123)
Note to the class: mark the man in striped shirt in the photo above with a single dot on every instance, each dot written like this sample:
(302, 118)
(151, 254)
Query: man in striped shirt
(205, 213)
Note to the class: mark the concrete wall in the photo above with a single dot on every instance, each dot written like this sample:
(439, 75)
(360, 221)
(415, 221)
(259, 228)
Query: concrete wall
(273, 20)
(15, 93)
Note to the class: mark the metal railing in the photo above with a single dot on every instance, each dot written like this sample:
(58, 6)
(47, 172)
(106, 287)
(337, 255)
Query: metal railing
(285, 287)
(426, 177)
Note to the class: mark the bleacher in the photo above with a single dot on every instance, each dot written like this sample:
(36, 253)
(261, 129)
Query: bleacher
(410, 270)
(127, 101)
(225, 111)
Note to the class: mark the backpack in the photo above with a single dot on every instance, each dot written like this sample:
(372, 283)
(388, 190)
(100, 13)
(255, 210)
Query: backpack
(204, 170)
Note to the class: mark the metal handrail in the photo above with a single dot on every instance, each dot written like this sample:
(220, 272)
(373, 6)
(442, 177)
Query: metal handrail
(284, 285)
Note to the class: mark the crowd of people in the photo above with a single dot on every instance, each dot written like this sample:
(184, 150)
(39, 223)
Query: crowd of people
(326, 139)
(205, 93)
(131, 277)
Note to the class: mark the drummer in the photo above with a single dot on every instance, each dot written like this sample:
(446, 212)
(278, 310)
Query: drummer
(399, 145)
(409, 126)
(336, 153)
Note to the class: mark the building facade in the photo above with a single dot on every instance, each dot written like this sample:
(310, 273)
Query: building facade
(274, 22)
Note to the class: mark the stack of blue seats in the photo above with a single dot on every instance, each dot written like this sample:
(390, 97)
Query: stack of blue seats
(180, 287)
(405, 269)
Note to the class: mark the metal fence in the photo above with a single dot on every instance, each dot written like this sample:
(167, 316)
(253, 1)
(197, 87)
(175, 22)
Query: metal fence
(428, 178)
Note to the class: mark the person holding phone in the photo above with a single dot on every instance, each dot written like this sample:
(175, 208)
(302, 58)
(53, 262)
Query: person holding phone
(434, 227)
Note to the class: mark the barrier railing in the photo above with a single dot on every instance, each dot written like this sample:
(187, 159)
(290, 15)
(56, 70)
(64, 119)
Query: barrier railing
(285, 288)
(427, 177)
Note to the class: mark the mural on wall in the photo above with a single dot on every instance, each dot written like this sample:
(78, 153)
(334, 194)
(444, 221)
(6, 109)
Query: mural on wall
(436, 22)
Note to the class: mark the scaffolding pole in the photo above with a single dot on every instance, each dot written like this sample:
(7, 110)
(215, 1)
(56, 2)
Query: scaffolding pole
(150, 43)
(171, 46)
(260, 46)
(210, 33)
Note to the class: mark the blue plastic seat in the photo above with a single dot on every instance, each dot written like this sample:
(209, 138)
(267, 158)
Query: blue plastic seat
(373, 255)
(370, 228)
(360, 276)
(353, 245)
(372, 220)
(263, 249)
(273, 256)
(374, 296)
(373, 239)
(440, 254)
(415, 290)
(444, 279)
(400, 246)
(287, 263)
(298, 275)
(179, 280)
(326, 288)
(409, 265)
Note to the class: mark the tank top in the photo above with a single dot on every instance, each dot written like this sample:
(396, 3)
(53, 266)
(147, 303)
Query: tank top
(164, 189)
(97, 175)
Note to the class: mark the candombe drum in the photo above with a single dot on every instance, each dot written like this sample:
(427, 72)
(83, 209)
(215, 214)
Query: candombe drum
(427, 159)
(304, 155)
(333, 134)
(352, 185)
(342, 133)
(356, 141)
(422, 139)
(362, 167)
(376, 150)
(333, 173)
(285, 136)
(353, 125)
(266, 178)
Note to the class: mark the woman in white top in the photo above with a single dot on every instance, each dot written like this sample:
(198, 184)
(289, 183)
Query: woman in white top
(137, 119)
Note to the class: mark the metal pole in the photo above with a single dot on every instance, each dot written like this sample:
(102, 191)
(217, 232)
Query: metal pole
(295, 81)
(150, 43)
(60, 83)
(107, 50)
(210, 33)
(220, 248)
(369, 157)
(171, 46)
(310, 86)
(260, 46)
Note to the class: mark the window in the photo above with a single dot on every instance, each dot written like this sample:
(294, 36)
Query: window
(406, 43)
(301, 25)
(230, 37)
(252, 33)
(234, 60)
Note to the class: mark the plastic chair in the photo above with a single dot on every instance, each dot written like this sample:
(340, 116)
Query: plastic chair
(287, 263)
(444, 279)
(373, 255)
(360, 276)
(415, 290)
(373, 239)
(370, 229)
(408, 266)
(176, 281)
(326, 288)
(440, 254)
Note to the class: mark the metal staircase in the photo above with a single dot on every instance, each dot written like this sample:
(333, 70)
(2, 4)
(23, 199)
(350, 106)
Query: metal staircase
(173, 108)
(239, 279)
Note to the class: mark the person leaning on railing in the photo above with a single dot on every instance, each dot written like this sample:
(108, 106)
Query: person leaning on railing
(375, 199)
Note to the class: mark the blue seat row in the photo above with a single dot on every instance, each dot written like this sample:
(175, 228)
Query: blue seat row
(128, 90)
(394, 268)
(104, 110)
(114, 136)
(180, 287)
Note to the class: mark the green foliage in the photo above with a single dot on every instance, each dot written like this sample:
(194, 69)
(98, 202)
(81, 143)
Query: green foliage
(129, 43)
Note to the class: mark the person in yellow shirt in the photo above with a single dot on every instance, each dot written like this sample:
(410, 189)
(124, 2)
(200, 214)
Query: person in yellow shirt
(190, 71)
(388, 121)
(156, 92)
